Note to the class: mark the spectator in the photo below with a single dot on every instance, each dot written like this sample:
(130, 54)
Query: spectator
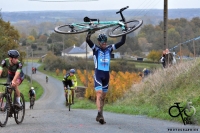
(146, 72)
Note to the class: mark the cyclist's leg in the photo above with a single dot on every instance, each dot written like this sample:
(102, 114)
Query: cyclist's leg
(99, 95)
(2, 105)
(17, 91)
(105, 83)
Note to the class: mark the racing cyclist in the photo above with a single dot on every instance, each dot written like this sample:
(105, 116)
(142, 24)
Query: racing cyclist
(15, 73)
(71, 81)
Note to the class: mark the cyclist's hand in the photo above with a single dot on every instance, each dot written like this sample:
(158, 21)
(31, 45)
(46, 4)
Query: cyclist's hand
(90, 33)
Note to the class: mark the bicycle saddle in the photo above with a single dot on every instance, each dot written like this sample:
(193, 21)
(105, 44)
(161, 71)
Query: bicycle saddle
(86, 19)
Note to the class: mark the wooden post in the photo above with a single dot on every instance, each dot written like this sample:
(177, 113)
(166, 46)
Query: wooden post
(194, 49)
(86, 66)
(165, 23)
(180, 52)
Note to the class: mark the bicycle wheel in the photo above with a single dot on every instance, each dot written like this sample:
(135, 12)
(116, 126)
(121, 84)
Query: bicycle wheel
(20, 113)
(4, 111)
(132, 25)
(32, 102)
(69, 99)
(191, 112)
(175, 111)
(72, 29)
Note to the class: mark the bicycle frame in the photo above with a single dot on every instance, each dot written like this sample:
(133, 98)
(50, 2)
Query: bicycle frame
(69, 96)
(102, 25)
(9, 98)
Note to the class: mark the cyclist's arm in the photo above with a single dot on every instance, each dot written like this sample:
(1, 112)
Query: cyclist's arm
(119, 44)
(90, 43)
(75, 82)
(1, 66)
(1, 70)
(64, 82)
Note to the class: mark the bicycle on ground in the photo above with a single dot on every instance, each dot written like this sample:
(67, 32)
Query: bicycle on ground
(7, 108)
(118, 28)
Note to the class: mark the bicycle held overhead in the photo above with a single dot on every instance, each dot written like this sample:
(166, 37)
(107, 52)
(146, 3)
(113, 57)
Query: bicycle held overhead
(118, 28)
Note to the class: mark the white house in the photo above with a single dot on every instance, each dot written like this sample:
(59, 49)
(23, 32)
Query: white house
(77, 51)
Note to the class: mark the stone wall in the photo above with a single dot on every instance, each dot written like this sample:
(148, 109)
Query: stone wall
(80, 92)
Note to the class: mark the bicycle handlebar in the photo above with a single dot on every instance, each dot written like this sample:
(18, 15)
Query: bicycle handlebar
(122, 9)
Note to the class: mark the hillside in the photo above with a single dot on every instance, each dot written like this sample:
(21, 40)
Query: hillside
(158, 92)
(151, 16)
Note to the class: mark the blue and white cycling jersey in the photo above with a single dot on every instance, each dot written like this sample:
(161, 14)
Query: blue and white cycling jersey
(102, 56)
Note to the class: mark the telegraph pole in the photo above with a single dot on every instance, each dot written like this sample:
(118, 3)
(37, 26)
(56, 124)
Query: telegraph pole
(31, 69)
(86, 66)
(165, 23)
(194, 48)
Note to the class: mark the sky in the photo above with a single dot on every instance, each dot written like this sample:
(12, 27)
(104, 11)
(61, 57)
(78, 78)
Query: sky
(27, 5)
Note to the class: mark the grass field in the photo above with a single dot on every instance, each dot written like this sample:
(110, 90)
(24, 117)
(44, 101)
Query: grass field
(25, 87)
(157, 93)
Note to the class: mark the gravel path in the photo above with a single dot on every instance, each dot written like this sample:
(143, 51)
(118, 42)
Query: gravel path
(51, 116)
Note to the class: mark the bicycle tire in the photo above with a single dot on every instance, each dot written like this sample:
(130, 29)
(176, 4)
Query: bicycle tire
(32, 102)
(5, 112)
(170, 112)
(65, 29)
(193, 110)
(69, 101)
(132, 25)
(19, 114)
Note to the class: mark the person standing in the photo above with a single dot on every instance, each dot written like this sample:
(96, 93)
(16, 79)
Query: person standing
(102, 56)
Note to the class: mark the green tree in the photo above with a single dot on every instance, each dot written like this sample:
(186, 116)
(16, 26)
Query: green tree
(33, 33)
(9, 38)
(154, 55)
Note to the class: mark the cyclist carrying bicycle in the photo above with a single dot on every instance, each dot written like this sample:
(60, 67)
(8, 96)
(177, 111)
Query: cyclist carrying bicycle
(15, 73)
(71, 81)
(102, 56)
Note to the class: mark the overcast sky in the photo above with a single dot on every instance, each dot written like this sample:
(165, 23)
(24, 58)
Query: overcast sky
(27, 5)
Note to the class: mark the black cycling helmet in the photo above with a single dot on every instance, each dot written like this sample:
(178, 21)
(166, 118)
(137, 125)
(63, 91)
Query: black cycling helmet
(102, 38)
(72, 71)
(13, 53)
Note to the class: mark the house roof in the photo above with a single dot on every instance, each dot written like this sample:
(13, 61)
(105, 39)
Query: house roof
(83, 46)
(78, 50)
(74, 50)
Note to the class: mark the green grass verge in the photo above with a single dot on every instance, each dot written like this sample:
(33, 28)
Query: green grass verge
(25, 87)
(83, 104)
